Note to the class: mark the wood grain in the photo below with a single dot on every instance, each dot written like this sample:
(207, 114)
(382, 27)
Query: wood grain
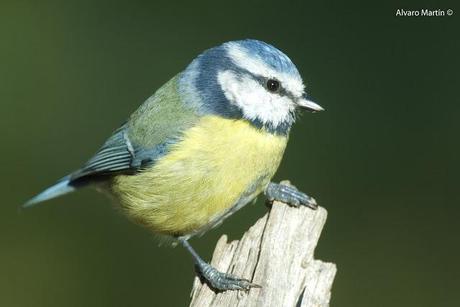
(276, 253)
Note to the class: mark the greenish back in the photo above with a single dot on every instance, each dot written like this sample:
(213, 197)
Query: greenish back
(159, 122)
(161, 118)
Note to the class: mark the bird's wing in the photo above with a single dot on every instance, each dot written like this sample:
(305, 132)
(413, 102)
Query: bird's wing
(119, 155)
(158, 123)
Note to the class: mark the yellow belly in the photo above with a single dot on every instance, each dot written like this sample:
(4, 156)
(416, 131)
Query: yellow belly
(202, 177)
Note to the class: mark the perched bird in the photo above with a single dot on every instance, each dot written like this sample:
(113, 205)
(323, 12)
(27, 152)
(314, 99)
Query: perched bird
(201, 147)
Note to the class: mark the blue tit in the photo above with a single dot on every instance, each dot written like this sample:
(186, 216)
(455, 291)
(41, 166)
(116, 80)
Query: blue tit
(201, 147)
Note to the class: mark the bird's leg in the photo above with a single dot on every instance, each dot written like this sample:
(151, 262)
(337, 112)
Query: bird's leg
(215, 279)
(287, 193)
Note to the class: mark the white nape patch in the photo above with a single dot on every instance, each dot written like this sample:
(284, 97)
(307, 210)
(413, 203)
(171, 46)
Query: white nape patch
(240, 56)
(254, 100)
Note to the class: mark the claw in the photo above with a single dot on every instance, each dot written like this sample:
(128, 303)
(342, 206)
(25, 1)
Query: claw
(223, 281)
(289, 194)
(215, 279)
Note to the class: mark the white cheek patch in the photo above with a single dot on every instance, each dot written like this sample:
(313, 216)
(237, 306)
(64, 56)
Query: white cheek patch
(254, 100)
(241, 58)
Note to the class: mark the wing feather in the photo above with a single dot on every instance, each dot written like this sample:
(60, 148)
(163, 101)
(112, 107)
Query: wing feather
(114, 156)
(154, 132)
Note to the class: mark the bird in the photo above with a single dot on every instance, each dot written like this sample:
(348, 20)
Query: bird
(204, 145)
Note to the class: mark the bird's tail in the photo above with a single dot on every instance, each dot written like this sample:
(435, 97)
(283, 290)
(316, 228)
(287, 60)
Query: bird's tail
(62, 187)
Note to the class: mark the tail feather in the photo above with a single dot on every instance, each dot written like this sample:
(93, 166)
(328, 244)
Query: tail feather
(62, 187)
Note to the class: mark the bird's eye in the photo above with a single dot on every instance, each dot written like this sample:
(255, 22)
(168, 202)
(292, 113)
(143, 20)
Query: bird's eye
(273, 85)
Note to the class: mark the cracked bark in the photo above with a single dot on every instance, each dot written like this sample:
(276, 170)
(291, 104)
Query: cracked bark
(276, 253)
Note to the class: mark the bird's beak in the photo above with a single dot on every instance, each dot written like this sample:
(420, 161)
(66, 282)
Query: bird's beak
(306, 103)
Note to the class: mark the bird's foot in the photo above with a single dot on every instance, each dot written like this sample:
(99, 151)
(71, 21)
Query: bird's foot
(222, 281)
(287, 193)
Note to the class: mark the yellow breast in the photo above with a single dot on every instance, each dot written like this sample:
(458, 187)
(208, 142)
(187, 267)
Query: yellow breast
(217, 162)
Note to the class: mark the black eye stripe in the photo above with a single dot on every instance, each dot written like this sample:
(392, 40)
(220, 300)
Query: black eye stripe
(280, 91)
(263, 80)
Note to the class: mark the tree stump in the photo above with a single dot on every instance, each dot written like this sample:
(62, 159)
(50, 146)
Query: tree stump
(277, 254)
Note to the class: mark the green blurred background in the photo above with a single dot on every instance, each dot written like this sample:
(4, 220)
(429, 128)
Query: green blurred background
(383, 159)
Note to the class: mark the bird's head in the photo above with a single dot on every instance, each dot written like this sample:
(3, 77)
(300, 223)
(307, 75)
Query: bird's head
(247, 79)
